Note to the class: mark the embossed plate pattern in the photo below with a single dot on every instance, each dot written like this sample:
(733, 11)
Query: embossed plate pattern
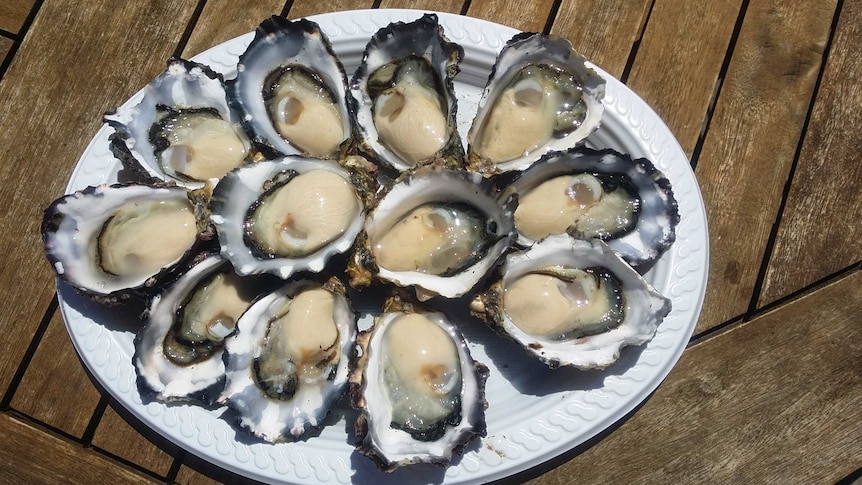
(534, 414)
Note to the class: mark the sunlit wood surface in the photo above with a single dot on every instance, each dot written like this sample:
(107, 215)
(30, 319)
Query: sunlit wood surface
(765, 97)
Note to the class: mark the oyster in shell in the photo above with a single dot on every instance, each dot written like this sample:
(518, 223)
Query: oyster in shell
(287, 363)
(421, 394)
(286, 215)
(290, 89)
(572, 302)
(182, 130)
(178, 350)
(598, 194)
(540, 96)
(404, 98)
(110, 242)
(437, 230)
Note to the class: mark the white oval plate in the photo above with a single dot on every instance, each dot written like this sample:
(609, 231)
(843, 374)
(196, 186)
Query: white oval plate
(534, 413)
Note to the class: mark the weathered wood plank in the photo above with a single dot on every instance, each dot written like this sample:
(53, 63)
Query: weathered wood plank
(451, 6)
(29, 455)
(55, 389)
(603, 31)
(527, 16)
(223, 20)
(56, 102)
(5, 47)
(679, 59)
(820, 232)
(776, 400)
(745, 159)
(118, 437)
(13, 13)
(304, 8)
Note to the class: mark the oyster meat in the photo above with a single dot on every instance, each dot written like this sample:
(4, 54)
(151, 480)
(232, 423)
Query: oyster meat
(540, 96)
(437, 230)
(572, 302)
(421, 394)
(183, 129)
(404, 98)
(112, 241)
(291, 90)
(598, 194)
(286, 215)
(288, 361)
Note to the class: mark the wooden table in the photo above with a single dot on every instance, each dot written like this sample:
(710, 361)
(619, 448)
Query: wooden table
(764, 98)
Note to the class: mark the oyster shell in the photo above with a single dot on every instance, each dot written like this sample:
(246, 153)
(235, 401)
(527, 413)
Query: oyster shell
(110, 242)
(290, 89)
(286, 215)
(572, 302)
(287, 363)
(178, 350)
(540, 96)
(421, 394)
(403, 96)
(182, 130)
(437, 230)
(598, 194)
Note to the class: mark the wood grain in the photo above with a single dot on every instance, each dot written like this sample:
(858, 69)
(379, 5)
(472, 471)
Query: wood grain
(451, 6)
(746, 159)
(603, 31)
(34, 457)
(55, 389)
(775, 400)
(679, 59)
(820, 232)
(117, 437)
(57, 104)
(304, 8)
(5, 47)
(13, 13)
(222, 20)
(528, 16)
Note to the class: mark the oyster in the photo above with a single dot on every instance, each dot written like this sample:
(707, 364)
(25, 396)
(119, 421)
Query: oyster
(572, 302)
(288, 361)
(540, 96)
(437, 230)
(598, 194)
(291, 90)
(178, 350)
(404, 98)
(110, 242)
(182, 130)
(286, 215)
(421, 394)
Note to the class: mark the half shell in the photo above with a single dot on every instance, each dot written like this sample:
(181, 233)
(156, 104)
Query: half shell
(572, 302)
(110, 242)
(290, 89)
(421, 394)
(287, 363)
(287, 215)
(601, 194)
(437, 230)
(182, 130)
(404, 97)
(540, 96)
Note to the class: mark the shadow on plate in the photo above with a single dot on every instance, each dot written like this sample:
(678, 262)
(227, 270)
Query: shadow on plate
(123, 317)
